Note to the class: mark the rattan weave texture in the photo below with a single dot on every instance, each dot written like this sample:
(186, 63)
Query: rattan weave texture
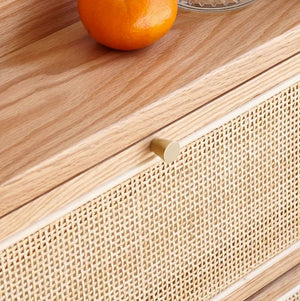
(183, 231)
(294, 297)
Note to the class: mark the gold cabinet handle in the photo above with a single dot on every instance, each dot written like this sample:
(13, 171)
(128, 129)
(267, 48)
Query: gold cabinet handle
(166, 149)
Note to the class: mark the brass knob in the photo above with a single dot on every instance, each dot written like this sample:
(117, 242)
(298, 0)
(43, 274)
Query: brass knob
(166, 149)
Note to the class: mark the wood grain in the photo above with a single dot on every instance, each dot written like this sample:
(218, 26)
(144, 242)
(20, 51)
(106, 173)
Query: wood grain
(278, 287)
(264, 278)
(23, 22)
(65, 100)
(139, 154)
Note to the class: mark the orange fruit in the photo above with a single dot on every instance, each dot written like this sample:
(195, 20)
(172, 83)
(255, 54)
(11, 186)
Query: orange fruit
(127, 24)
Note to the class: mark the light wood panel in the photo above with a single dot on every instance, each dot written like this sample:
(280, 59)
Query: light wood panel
(264, 278)
(25, 21)
(139, 155)
(68, 103)
(278, 287)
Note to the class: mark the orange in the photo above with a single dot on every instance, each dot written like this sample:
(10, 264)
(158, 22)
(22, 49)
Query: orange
(127, 24)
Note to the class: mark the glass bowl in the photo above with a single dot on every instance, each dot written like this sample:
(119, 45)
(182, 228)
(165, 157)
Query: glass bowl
(213, 5)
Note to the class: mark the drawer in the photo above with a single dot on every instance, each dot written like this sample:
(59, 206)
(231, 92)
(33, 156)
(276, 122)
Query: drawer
(181, 231)
(68, 104)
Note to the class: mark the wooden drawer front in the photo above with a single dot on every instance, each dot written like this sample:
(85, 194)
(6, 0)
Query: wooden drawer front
(183, 231)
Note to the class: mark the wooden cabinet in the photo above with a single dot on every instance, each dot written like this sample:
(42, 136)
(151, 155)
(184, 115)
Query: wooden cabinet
(88, 212)
(186, 230)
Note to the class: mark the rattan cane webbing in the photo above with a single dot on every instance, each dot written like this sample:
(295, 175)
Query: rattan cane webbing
(295, 296)
(183, 231)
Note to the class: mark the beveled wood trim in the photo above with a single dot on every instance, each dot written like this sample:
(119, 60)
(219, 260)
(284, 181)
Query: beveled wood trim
(262, 276)
(279, 287)
(68, 104)
(138, 156)
(290, 294)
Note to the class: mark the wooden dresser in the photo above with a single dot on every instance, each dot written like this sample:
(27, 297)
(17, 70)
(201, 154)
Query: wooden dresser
(89, 212)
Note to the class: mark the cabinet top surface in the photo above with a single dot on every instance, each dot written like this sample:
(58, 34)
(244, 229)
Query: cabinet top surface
(65, 95)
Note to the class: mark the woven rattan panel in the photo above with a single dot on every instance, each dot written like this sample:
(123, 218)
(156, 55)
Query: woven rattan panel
(294, 297)
(183, 231)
